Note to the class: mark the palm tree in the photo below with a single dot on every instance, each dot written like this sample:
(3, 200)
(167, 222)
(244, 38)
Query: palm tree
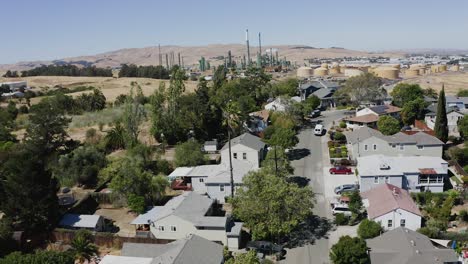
(115, 138)
(232, 121)
(82, 247)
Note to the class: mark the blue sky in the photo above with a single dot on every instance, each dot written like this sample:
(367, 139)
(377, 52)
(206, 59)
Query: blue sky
(52, 29)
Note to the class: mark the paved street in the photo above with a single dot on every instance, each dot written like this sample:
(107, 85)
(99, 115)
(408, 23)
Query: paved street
(315, 167)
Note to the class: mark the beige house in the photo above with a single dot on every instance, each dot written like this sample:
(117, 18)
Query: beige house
(366, 141)
(369, 116)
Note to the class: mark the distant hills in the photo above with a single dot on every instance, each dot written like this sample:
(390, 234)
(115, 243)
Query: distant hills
(191, 55)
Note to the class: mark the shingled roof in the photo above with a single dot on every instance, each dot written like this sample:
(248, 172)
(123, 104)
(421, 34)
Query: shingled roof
(248, 140)
(419, 138)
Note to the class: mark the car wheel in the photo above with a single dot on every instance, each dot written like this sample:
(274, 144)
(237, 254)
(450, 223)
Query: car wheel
(332, 172)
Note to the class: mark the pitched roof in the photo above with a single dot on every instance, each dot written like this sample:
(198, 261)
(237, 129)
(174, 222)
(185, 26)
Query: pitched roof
(404, 246)
(80, 221)
(386, 198)
(263, 114)
(371, 165)
(451, 98)
(384, 109)
(190, 206)
(248, 140)
(369, 118)
(110, 259)
(217, 173)
(193, 249)
(419, 138)
(323, 93)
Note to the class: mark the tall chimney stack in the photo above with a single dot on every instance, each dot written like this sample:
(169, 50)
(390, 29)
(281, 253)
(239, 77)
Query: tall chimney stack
(248, 47)
(260, 47)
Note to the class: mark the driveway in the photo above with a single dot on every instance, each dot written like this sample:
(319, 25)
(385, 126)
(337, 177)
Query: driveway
(315, 167)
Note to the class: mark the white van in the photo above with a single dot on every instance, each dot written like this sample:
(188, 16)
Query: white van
(318, 130)
(341, 209)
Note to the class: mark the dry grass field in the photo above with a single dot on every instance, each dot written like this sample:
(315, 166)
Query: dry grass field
(111, 87)
(453, 81)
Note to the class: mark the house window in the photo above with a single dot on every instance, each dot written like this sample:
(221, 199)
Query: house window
(161, 228)
(221, 188)
(386, 179)
(375, 147)
(402, 147)
(201, 180)
(389, 223)
(173, 228)
(234, 155)
(365, 147)
(376, 179)
(393, 145)
(244, 156)
(402, 222)
(420, 147)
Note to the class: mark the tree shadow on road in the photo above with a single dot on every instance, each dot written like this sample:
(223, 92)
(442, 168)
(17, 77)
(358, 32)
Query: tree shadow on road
(297, 154)
(315, 227)
(299, 180)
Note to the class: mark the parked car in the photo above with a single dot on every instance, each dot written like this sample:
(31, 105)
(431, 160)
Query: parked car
(266, 247)
(340, 170)
(315, 113)
(341, 209)
(346, 188)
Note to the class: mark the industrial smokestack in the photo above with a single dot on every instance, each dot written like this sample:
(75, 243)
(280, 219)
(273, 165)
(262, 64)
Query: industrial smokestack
(248, 47)
(260, 47)
(178, 55)
(160, 55)
(167, 61)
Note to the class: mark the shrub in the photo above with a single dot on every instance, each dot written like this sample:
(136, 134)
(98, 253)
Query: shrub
(136, 203)
(23, 109)
(341, 219)
(369, 229)
(339, 136)
(429, 231)
(463, 216)
(343, 124)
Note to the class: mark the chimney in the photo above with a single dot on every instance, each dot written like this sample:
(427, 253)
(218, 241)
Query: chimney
(394, 190)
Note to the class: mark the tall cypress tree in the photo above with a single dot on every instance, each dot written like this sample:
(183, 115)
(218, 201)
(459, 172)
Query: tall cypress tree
(441, 127)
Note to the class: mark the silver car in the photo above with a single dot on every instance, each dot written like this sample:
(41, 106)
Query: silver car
(346, 188)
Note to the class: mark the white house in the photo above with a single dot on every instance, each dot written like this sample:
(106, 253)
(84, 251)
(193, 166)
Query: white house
(366, 141)
(416, 173)
(280, 104)
(214, 180)
(187, 214)
(369, 116)
(245, 147)
(392, 207)
(455, 101)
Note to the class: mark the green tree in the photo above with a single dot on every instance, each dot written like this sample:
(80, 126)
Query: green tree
(462, 93)
(388, 125)
(6, 233)
(80, 166)
(310, 104)
(134, 114)
(282, 138)
(6, 127)
(355, 202)
(270, 206)
(462, 127)
(363, 88)
(244, 258)
(404, 93)
(189, 154)
(82, 247)
(441, 127)
(28, 192)
(430, 92)
(369, 229)
(136, 203)
(286, 87)
(349, 250)
(49, 257)
(231, 120)
(413, 110)
(12, 110)
(115, 138)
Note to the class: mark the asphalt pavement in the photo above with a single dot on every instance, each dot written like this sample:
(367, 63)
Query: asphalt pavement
(315, 167)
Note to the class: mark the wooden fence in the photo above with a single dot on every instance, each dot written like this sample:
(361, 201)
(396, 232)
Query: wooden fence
(104, 239)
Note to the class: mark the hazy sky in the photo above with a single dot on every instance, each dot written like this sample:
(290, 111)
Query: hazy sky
(52, 29)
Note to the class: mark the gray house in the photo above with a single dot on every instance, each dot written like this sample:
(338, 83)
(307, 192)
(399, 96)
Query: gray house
(404, 246)
(324, 90)
(193, 249)
(413, 173)
(366, 141)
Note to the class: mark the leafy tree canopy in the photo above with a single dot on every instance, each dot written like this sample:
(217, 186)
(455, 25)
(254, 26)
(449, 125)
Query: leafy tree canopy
(463, 126)
(244, 258)
(363, 88)
(189, 154)
(349, 250)
(462, 93)
(441, 126)
(404, 92)
(413, 110)
(388, 125)
(369, 229)
(49, 257)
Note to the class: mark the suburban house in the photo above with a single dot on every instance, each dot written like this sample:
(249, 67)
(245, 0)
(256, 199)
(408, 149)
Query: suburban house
(405, 246)
(193, 249)
(245, 147)
(453, 116)
(214, 180)
(111, 259)
(366, 141)
(369, 116)
(281, 104)
(324, 90)
(455, 101)
(413, 173)
(189, 214)
(392, 207)
(93, 223)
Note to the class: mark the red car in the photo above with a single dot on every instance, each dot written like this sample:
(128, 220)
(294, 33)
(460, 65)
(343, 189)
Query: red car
(340, 170)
